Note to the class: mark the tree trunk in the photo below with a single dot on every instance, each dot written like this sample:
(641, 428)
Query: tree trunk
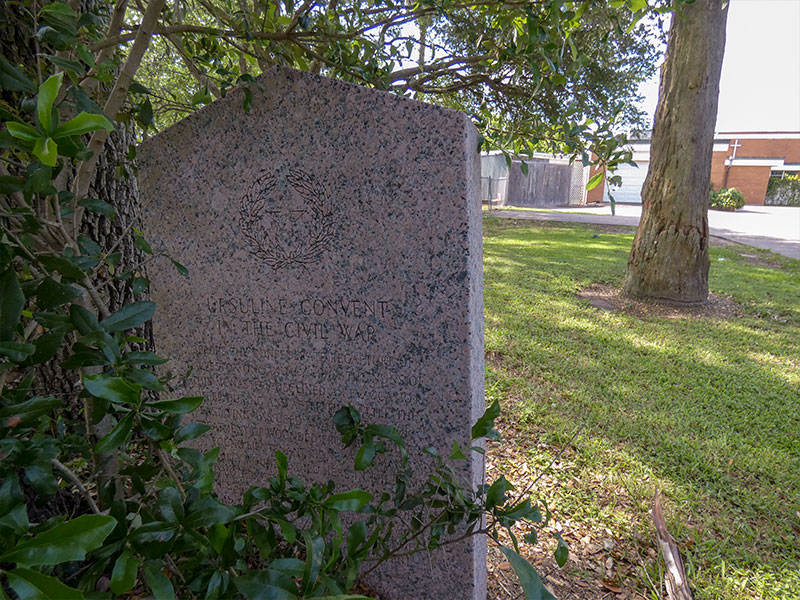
(669, 260)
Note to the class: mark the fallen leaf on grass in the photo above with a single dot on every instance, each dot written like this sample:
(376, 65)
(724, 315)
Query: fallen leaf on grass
(611, 586)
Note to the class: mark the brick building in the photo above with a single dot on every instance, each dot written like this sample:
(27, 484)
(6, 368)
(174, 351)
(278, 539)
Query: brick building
(742, 160)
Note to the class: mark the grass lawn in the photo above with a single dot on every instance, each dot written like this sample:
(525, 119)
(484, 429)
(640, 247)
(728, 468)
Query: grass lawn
(707, 410)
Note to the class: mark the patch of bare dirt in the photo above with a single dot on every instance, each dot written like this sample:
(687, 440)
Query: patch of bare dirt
(758, 261)
(608, 297)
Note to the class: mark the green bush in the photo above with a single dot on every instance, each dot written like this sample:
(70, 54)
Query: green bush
(783, 191)
(726, 199)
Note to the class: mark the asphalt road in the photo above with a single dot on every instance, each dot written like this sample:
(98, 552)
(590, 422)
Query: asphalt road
(775, 228)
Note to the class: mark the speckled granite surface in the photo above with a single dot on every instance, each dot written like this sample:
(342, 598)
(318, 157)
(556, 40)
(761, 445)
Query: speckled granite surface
(333, 241)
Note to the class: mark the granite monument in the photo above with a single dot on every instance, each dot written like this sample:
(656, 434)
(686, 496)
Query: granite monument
(332, 236)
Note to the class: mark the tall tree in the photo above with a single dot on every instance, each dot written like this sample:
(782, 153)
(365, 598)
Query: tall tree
(669, 259)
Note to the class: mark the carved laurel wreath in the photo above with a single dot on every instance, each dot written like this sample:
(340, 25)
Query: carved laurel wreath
(262, 241)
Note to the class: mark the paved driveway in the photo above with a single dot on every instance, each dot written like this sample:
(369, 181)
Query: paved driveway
(775, 228)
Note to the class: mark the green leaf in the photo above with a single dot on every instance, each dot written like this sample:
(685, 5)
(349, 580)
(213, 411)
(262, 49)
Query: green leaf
(171, 505)
(144, 358)
(47, 345)
(12, 300)
(147, 379)
(117, 436)
(365, 454)
(264, 539)
(155, 531)
(637, 5)
(146, 112)
(115, 389)
(139, 284)
(130, 315)
(214, 586)
(531, 537)
(68, 541)
(595, 180)
(10, 184)
(14, 80)
(16, 351)
(293, 567)
(287, 530)
(190, 432)
(59, 12)
(54, 321)
(456, 453)
(159, 583)
(83, 103)
(48, 92)
(32, 585)
(353, 500)
(202, 96)
(84, 320)
(529, 579)
(282, 464)
(561, 553)
(42, 480)
(484, 425)
(86, 56)
(98, 206)
(23, 132)
(266, 585)
(83, 123)
(496, 495)
(179, 406)
(315, 549)
(71, 66)
(218, 535)
(52, 293)
(155, 429)
(181, 269)
(138, 88)
(143, 245)
(16, 520)
(207, 512)
(61, 265)
(123, 577)
(356, 534)
(30, 409)
(247, 102)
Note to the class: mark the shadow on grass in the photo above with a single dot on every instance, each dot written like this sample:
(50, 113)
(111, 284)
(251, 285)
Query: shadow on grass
(711, 406)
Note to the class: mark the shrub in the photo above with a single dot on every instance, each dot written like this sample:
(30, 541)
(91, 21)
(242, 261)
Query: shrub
(726, 199)
(783, 191)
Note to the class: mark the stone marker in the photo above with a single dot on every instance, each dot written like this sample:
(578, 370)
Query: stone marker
(333, 241)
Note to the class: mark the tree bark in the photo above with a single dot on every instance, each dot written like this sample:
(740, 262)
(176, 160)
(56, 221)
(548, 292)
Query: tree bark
(669, 260)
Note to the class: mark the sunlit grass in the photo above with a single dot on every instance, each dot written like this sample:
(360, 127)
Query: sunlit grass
(706, 410)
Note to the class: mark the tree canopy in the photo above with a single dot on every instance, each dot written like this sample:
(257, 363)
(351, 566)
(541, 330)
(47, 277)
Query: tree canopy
(543, 75)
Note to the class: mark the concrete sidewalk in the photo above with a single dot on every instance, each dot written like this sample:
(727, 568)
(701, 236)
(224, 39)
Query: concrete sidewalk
(775, 228)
